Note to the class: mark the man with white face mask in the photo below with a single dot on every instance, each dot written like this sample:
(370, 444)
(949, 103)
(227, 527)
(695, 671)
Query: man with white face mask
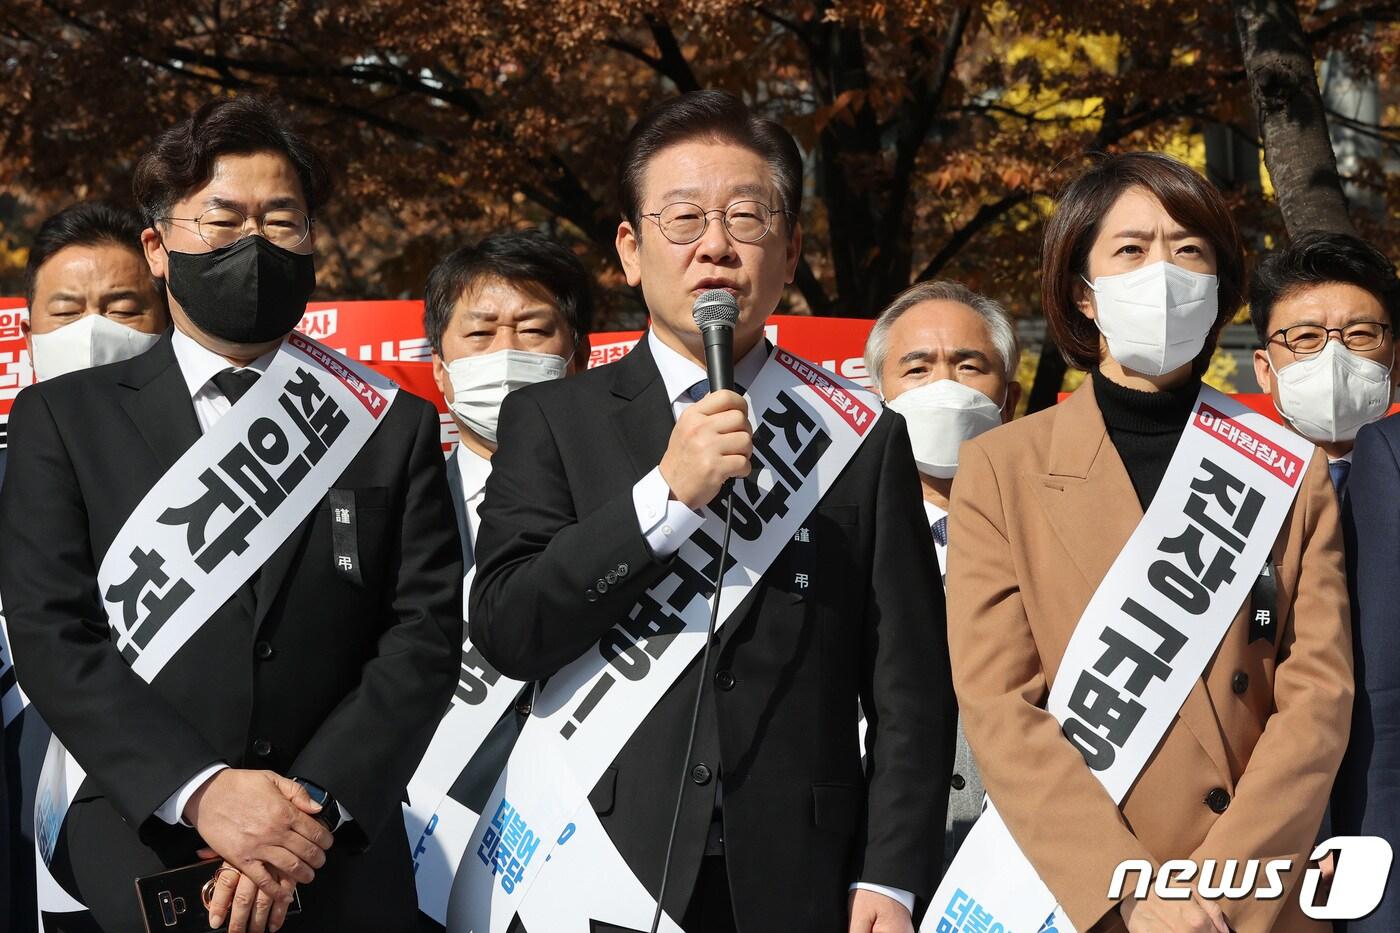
(91, 301)
(508, 312)
(1328, 355)
(945, 358)
(1325, 308)
(91, 298)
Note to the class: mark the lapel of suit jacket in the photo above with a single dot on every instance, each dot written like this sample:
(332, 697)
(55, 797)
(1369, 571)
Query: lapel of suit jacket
(159, 403)
(1094, 509)
(643, 420)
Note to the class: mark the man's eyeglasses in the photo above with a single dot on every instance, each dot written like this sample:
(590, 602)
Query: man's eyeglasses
(745, 221)
(286, 227)
(1305, 339)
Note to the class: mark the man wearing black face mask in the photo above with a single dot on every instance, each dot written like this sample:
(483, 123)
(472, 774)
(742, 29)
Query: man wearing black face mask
(275, 624)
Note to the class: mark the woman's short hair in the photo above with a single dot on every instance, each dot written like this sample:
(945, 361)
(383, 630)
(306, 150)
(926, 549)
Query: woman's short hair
(1191, 201)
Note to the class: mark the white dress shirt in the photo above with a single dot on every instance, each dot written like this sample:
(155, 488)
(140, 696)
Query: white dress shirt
(474, 469)
(666, 523)
(199, 365)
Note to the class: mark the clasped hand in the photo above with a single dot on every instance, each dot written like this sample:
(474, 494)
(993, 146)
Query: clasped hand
(264, 827)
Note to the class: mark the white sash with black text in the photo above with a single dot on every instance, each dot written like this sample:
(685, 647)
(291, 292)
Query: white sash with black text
(212, 520)
(1146, 636)
(538, 848)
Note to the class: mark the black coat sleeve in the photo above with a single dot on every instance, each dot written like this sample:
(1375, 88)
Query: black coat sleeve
(135, 746)
(535, 605)
(365, 751)
(907, 688)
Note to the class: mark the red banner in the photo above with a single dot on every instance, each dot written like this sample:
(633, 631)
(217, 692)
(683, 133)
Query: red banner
(389, 336)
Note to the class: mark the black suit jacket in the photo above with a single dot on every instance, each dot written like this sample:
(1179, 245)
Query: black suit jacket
(320, 677)
(801, 820)
(1366, 794)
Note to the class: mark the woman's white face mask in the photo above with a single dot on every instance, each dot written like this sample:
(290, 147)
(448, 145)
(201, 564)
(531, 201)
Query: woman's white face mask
(941, 415)
(90, 341)
(1155, 319)
(1331, 395)
(481, 383)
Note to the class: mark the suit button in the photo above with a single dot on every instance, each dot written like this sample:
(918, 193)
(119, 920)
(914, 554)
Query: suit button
(958, 782)
(263, 650)
(262, 748)
(1218, 799)
(1240, 682)
(611, 577)
(700, 774)
(724, 680)
(622, 570)
(600, 585)
(591, 596)
(523, 707)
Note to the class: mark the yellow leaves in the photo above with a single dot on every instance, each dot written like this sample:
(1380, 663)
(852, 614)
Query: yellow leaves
(1220, 374)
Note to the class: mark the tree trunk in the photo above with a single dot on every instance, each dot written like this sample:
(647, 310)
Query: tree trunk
(1283, 84)
(1049, 376)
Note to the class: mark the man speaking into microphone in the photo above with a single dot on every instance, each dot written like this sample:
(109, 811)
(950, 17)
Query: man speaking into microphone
(600, 528)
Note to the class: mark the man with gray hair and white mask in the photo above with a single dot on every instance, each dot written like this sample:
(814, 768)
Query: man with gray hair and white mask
(945, 358)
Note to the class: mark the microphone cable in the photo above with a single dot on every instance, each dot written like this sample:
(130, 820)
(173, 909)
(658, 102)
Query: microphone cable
(699, 695)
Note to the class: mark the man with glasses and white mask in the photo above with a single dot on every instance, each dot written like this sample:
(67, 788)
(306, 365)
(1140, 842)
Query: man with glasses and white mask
(945, 358)
(1324, 313)
(1325, 308)
(275, 622)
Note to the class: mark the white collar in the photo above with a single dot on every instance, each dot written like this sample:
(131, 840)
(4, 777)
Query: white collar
(678, 374)
(474, 470)
(198, 364)
(933, 512)
(1346, 457)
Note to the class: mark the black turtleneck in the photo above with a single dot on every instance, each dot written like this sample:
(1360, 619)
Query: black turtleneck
(1144, 427)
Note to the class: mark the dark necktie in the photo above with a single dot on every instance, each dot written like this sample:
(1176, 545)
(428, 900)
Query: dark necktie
(1339, 469)
(702, 388)
(235, 383)
(940, 531)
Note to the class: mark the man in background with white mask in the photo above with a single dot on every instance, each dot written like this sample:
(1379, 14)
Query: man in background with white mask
(1328, 355)
(945, 358)
(91, 297)
(508, 312)
(1325, 308)
(91, 300)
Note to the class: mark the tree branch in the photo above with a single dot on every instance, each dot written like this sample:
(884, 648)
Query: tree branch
(964, 234)
(1381, 13)
(811, 289)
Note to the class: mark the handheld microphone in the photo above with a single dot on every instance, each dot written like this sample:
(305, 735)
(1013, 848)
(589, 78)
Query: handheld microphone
(716, 312)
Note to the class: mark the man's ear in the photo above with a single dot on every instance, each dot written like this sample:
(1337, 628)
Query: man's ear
(1262, 373)
(444, 382)
(583, 349)
(25, 330)
(1013, 398)
(156, 257)
(794, 252)
(629, 248)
